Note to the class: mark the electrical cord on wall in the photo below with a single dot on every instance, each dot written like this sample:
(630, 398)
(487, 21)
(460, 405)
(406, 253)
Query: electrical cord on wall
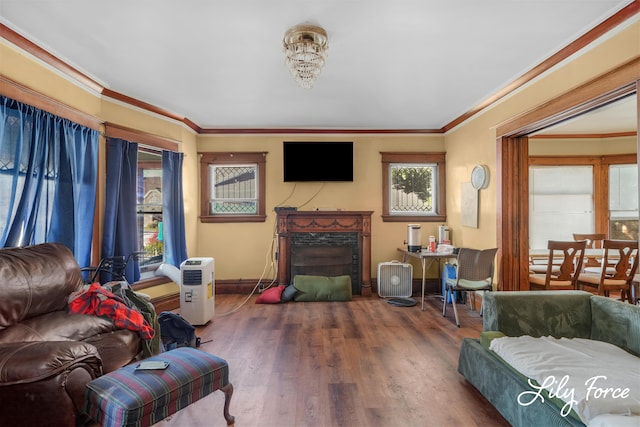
(289, 196)
(270, 264)
(314, 196)
(305, 203)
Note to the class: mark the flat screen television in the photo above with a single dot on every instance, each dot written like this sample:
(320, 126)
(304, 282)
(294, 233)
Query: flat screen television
(317, 161)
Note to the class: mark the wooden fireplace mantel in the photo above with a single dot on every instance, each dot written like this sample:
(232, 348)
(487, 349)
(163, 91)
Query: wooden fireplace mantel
(324, 222)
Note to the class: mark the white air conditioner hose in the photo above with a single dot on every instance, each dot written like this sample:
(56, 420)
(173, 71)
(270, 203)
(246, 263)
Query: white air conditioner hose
(170, 271)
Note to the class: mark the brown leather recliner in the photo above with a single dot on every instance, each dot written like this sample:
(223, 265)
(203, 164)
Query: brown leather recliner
(47, 356)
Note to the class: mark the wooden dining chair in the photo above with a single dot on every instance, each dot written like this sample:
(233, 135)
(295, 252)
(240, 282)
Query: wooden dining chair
(625, 254)
(539, 266)
(594, 241)
(564, 275)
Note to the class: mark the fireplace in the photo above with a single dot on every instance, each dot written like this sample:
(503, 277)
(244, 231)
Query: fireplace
(329, 243)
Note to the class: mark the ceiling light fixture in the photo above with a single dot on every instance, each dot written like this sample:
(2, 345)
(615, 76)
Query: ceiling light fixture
(305, 49)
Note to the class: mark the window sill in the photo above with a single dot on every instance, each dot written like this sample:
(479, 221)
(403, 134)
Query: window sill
(148, 283)
(414, 218)
(233, 218)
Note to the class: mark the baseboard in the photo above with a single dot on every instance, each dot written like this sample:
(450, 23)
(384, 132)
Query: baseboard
(171, 301)
(243, 287)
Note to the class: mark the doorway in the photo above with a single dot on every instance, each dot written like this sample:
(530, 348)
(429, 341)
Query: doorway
(512, 162)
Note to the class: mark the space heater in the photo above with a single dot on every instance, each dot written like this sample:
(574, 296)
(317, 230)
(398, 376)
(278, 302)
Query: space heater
(395, 279)
(197, 295)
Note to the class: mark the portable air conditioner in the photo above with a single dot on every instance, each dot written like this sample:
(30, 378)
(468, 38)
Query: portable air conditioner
(197, 296)
(394, 279)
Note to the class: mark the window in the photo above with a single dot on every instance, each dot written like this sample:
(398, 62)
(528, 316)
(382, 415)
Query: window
(582, 194)
(560, 203)
(623, 202)
(149, 210)
(48, 175)
(233, 187)
(413, 186)
(151, 234)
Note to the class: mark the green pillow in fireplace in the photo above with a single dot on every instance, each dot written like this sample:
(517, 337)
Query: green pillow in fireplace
(322, 288)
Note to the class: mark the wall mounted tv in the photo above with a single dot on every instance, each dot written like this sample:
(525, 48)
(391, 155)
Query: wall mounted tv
(317, 161)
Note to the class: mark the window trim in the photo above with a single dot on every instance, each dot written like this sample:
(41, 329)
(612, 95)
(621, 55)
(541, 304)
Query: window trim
(415, 157)
(232, 158)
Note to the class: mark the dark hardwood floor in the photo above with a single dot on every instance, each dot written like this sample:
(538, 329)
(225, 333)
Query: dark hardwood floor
(362, 363)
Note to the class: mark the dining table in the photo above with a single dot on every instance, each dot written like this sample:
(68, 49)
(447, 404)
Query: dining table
(592, 257)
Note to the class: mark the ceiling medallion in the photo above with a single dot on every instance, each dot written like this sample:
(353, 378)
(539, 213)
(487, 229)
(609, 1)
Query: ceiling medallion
(305, 49)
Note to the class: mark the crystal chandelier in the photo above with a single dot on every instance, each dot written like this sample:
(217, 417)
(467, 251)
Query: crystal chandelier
(305, 49)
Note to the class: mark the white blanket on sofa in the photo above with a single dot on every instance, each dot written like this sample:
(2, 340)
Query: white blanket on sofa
(598, 380)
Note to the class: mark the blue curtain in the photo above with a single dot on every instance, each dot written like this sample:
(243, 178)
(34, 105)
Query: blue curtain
(120, 231)
(175, 249)
(48, 179)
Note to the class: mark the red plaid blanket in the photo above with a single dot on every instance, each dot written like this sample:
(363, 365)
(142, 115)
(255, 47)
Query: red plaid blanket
(95, 300)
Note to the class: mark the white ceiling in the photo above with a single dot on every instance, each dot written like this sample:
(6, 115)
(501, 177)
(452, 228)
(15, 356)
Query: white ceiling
(393, 64)
(616, 117)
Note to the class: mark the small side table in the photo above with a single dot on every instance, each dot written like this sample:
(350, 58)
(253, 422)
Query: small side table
(426, 259)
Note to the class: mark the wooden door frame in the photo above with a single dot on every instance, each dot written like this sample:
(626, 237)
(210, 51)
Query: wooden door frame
(512, 162)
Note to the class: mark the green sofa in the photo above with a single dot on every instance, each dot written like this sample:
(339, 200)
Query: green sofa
(570, 314)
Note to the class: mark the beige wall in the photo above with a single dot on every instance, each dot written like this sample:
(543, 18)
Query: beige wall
(22, 68)
(241, 250)
(582, 146)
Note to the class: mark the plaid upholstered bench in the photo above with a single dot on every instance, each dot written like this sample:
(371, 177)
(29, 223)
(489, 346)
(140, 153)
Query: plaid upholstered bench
(130, 397)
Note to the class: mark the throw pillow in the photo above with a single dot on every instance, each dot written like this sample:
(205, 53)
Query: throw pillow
(322, 288)
(289, 293)
(271, 296)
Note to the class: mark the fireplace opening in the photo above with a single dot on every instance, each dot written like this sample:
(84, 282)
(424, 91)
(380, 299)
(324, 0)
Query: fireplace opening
(323, 260)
